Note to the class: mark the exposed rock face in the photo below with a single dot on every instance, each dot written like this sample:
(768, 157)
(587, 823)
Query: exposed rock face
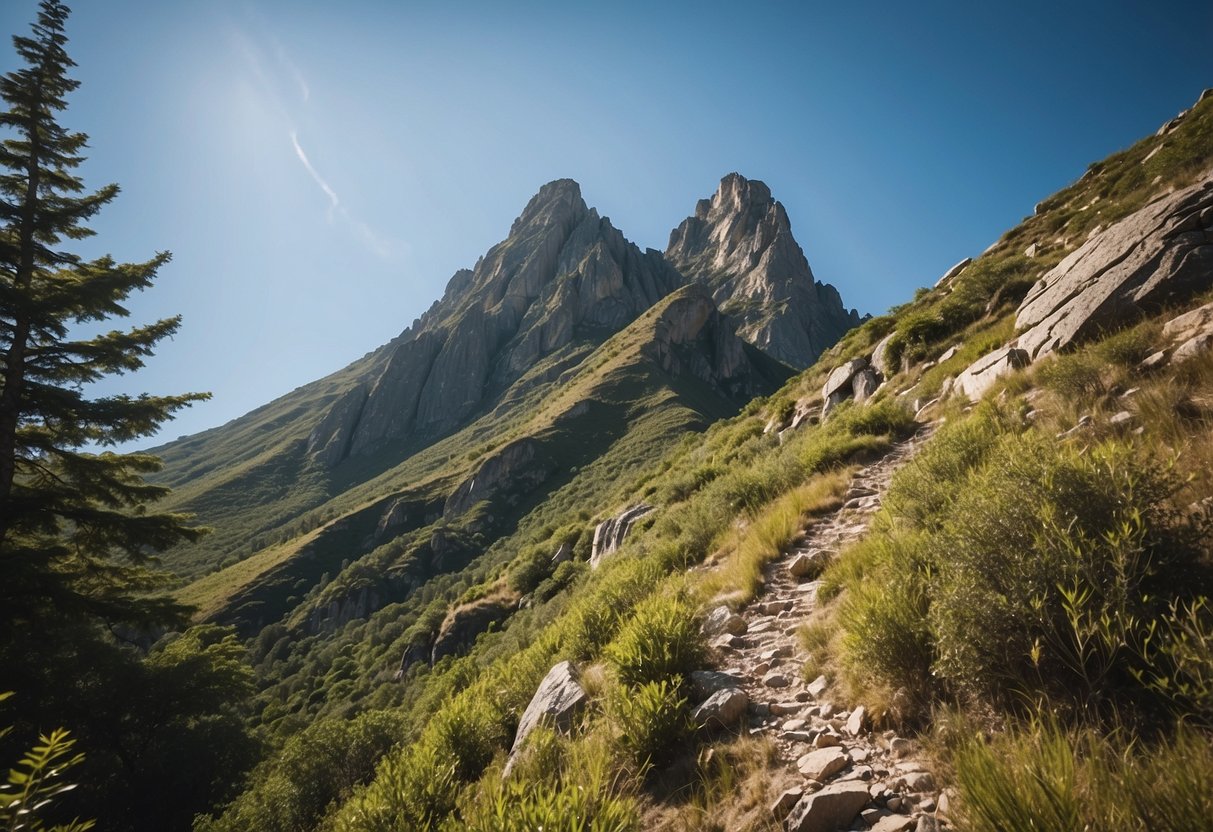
(852, 380)
(977, 378)
(462, 624)
(610, 533)
(1161, 252)
(739, 244)
(953, 272)
(691, 337)
(562, 268)
(557, 701)
(518, 466)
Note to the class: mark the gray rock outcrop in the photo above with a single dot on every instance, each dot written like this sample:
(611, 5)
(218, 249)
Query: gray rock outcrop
(1159, 253)
(610, 533)
(979, 376)
(739, 244)
(557, 702)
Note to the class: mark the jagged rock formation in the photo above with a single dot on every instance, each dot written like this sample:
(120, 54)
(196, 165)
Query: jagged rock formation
(1161, 252)
(739, 244)
(562, 268)
(979, 376)
(610, 533)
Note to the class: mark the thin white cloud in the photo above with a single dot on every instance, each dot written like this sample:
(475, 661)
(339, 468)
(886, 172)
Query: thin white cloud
(334, 200)
(284, 91)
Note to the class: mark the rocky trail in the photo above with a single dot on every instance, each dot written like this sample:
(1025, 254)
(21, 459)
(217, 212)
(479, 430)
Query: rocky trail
(849, 776)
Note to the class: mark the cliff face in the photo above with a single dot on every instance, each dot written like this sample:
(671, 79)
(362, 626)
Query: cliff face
(739, 244)
(563, 270)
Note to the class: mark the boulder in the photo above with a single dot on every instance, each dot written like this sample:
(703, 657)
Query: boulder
(723, 620)
(557, 701)
(1157, 254)
(722, 709)
(830, 809)
(823, 763)
(979, 376)
(610, 533)
(880, 355)
(952, 272)
(841, 377)
(864, 384)
(808, 564)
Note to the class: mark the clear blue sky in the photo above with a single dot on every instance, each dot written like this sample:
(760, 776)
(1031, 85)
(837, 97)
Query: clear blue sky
(320, 169)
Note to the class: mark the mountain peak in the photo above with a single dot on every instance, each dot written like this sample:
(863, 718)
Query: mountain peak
(740, 244)
(558, 202)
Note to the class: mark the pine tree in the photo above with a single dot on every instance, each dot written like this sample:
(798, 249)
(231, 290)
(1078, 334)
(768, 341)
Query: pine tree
(76, 538)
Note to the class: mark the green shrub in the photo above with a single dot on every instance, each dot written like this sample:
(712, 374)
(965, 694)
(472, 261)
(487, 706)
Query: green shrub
(32, 786)
(1077, 376)
(651, 720)
(1041, 777)
(661, 642)
(1045, 568)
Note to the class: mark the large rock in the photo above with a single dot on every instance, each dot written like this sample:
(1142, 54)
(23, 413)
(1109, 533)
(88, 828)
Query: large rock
(829, 809)
(953, 272)
(1159, 253)
(739, 244)
(880, 355)
(823, 763)
(722, 709)
(841, 377)
(557, 701)
(517, 467)
(610, 533)
(705, 683)
(979, 376)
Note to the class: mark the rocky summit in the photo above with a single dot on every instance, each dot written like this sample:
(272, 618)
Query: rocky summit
(739, 243)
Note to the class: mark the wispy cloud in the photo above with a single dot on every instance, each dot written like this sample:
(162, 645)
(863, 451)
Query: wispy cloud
(284, 88)
(334, 200)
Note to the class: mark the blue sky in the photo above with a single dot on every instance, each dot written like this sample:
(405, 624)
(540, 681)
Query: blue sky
(319, 169)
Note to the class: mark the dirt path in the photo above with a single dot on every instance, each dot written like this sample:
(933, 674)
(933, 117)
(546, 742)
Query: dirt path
(843, 767)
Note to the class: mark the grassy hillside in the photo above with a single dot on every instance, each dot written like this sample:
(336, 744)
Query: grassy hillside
(926, 617)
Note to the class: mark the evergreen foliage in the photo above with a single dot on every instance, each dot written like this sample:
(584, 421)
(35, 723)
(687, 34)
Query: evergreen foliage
(75, 536)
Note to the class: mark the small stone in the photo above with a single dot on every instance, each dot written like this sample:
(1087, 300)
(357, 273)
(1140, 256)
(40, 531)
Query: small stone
(893, 804)
(777, 653)
(900, 746)
(724, 620)
(818, 686)
(799, 736)
(729, 642)
(893, 823)
(860, 755)
(926, 823)
(1121, 418)
(775, 679)
(706, 682)
(945, 801)
(794, 724)
(785, 708)
(827, 740)
(855, 723)
(826, 710)
(784, 803)
(927, 804)
(1153, 361)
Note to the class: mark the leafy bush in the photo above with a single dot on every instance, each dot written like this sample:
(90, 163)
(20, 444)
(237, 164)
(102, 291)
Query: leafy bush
(651, 720)
(661, 642)
(30, 788)
(1075, 376)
